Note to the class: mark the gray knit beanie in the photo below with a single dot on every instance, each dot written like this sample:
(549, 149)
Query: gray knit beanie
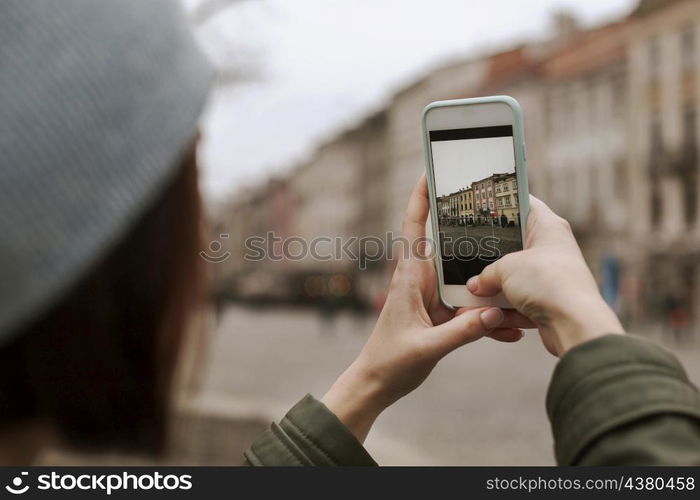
(98, 101)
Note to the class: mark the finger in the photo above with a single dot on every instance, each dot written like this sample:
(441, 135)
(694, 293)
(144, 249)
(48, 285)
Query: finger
(438, 312)
(467, 327)
(515, 319)
(544, 225)
(538, 206)
(417, 212)
(540, 209)
(511, 319)
(506, 334)
(464, 309)
(490, 281)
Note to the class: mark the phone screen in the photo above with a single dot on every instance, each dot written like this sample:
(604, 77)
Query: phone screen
(477, 198)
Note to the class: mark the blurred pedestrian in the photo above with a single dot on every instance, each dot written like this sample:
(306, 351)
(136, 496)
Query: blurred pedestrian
(327, 310)
(677, 317)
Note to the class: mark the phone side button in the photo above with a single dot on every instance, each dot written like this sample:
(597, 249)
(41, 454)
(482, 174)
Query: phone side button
(523, 151)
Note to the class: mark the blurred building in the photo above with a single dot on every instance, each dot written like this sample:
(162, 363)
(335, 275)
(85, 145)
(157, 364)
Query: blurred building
(334, 205)
(585, 110)
(326, 201)
(612, 137)
(242, 228)
(663, 151)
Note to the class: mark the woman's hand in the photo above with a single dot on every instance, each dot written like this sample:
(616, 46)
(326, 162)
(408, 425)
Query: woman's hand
(549, 283)
(413, 332)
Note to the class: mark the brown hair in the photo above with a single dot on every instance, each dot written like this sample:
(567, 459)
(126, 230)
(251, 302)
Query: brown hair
(99, 366)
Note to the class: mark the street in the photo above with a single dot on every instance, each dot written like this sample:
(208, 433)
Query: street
(468, 241)
(482, 405)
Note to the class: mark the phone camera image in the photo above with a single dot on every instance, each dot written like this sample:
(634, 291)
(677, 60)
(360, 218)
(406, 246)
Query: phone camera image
(477, 198)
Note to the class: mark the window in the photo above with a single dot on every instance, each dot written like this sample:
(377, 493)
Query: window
(688, 47)
(656, 205)
(505, 187)
(654, 58)
(656, 145)
(618, 105)
(515, 185)
(690, 131)
(689, 173)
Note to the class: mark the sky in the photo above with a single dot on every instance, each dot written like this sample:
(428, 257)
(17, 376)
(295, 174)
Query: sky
(459, 163)
(316, 67)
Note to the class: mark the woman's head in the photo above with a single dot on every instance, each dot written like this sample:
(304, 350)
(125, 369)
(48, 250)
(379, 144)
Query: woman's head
(98, 366)
(99, 212)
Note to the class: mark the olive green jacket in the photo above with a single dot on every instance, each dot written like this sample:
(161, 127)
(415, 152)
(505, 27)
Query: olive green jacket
(616, 400)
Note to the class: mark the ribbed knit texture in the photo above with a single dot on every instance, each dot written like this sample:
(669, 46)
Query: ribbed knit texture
(98, 100)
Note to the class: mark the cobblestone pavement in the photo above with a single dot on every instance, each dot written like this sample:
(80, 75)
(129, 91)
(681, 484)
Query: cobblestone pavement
(465, 241)
(482, 405)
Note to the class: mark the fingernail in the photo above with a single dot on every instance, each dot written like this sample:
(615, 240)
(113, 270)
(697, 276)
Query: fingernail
(471, 283)
(491, 318)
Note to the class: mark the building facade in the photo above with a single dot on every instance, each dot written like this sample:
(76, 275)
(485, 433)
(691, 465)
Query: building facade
(484, 197)
(457, 207)
(506, 192)
(664, 103)
(586, 101)
(466, 203)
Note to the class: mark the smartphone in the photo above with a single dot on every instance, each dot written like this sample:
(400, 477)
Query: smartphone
(477, 179)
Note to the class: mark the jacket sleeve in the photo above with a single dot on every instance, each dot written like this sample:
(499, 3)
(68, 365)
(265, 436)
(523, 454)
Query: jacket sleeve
(309, 434)
(619, 400)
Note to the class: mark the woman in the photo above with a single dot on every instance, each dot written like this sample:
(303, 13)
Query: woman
(101, 227)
